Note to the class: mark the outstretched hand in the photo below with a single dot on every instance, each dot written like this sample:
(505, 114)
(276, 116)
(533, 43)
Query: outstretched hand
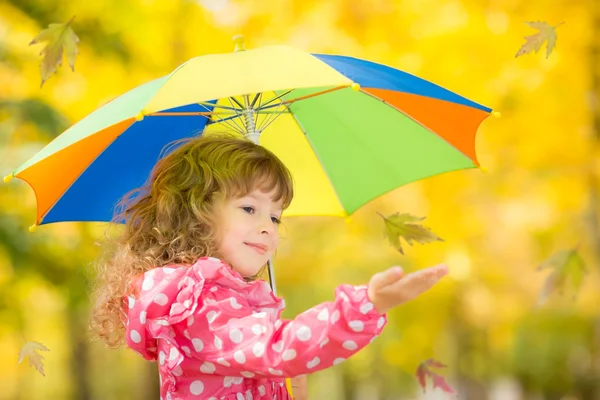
(391, 288)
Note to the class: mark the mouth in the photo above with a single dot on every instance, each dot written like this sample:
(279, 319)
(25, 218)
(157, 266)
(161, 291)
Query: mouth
(259, 248)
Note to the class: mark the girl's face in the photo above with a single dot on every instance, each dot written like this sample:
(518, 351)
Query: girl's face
(248, 231)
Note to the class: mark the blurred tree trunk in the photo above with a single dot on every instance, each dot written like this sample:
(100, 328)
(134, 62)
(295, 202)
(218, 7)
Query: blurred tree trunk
(79, 360)
(593, 216)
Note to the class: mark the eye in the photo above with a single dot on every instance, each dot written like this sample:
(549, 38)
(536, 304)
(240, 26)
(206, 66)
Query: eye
(276, 220)
(248, 209)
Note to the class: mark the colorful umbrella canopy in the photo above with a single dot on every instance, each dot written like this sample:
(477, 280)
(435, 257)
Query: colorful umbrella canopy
(349, 130)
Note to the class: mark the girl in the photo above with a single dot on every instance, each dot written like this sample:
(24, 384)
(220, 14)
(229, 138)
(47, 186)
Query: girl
(182, 287)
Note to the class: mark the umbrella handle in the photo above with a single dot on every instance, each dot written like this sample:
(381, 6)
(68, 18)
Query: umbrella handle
(272, 276)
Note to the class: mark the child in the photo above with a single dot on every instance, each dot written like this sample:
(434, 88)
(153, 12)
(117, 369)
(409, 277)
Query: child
(182, 287)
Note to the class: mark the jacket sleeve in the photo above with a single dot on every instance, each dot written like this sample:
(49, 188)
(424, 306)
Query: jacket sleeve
(320, 337)
(218, 327)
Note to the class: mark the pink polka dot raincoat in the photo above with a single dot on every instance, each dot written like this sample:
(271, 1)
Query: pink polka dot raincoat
(216, 336)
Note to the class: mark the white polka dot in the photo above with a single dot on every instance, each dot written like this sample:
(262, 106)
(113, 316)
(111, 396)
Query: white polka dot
(323, 315)
(218, 343)
(143, 315)
(232, 380)
(211, 316)
(239, 356)
(289, 354)
(257, 329)
(258, 349)
(313, 363)
(380, 322)
(278, 347)
(248, 374)
(196, 388)
(208, 368)
(240, 396)
(186, 333)
(161, 358)
(168, 270)
(173, 353)
(344, 297)
(186, 350)
(234, 303)
(198, 344)
(350, 345)
(277, 324)
(162, 322)
(177, 371)
(148, 283)
(338, 361)
(223, 361)
(365, 308)
(303, 333)
(161, 299)
(324, 342)
(275, 371)
(335, 316)
(262, 390)
(190, 320)
(236, 336)
(249, 395)
(135, 336)
(214, 260)
(356, 326)
(214, 289)
(259, 314)
(187, 303)
(131, 301)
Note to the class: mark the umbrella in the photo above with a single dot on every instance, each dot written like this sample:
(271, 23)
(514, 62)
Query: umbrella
(350, 130)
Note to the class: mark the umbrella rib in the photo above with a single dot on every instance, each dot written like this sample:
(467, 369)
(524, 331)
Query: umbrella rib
(242, 130)
(229, 124)
(274, 99)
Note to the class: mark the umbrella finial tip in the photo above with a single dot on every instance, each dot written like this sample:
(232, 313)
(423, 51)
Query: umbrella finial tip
(497, 114)
(355, 86)
(8, 178)
(238, 41)
(32, 228)
(482, 169)
(140, 116)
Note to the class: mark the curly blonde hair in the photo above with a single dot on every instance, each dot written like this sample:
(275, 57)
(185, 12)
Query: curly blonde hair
(170, 220)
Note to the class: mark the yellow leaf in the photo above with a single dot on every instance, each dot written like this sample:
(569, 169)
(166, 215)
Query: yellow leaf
(29, 349)
(406, 226)
(58, 37)
(535, 42)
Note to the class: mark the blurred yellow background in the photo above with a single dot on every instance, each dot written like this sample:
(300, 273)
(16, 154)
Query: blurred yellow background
(539, 196)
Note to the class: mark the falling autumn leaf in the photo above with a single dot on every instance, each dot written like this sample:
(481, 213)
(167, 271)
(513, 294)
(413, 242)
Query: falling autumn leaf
(406, 226)
(424, 371)
(59, 37)
(536, 41)
(30, 349)
(568, 271)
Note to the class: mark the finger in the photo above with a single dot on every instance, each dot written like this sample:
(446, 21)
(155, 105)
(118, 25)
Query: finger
(386, 277)
(420, 281)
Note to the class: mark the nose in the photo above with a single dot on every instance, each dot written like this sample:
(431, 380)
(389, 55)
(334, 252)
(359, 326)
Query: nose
(267, 226)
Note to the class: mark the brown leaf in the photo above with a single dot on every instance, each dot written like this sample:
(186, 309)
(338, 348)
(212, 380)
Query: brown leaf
(424, 371)
(406, 226)
(29, 349)
(534, 42)
(59, 37)
(568, 271)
